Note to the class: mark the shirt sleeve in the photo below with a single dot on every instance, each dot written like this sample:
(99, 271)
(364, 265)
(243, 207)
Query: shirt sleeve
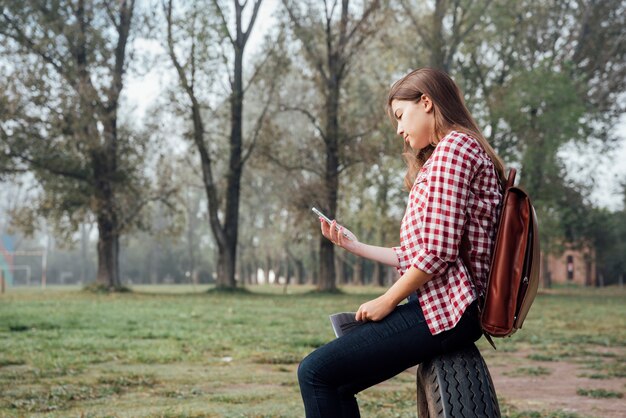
(443, 214)
(403, 259)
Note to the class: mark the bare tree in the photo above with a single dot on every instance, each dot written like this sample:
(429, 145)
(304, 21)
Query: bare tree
(200, 43)
(329, 44)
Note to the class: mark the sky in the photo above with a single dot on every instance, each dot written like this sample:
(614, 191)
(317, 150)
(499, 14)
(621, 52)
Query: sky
(582, 163)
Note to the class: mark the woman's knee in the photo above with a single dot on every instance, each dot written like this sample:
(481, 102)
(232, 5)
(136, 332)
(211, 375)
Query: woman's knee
(303, 371)
(308, 370)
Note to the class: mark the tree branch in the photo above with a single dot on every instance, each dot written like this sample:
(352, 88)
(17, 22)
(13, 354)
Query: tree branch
(198, 137)
(255, 11)
(290, 167)
(46, 166)
(134, 212)
(373, 6)
(25, 41)
(416, 25)
(257, 69)
(309, 115)
(258, 124)
(171, 50)
(224, 23)
(125, 19)
(314, 56)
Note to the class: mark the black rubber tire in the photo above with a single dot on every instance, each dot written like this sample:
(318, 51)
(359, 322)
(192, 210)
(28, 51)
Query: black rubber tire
(456, 385)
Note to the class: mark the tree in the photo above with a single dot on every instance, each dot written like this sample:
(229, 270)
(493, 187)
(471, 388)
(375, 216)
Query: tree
(329, 43)
(201, 37)
(60, 117)
(442, 30)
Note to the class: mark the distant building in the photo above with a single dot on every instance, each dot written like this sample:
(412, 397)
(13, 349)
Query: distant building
(574, 266)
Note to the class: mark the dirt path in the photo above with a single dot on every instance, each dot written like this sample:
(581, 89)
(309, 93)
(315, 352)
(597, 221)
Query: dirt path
(555, 386)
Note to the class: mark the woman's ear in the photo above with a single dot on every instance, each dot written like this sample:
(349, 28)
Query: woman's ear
(427, 103)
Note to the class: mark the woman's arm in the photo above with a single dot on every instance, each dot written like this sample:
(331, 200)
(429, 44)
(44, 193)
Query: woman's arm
(381, 254)
(378, 308)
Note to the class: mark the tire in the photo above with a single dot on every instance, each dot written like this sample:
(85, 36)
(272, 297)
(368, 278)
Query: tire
(456, 385)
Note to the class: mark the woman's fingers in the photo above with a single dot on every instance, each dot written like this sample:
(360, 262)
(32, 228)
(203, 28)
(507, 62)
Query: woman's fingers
(325, 228)
(361, 315)
(328, 230)
(333, 232)
(340, 236)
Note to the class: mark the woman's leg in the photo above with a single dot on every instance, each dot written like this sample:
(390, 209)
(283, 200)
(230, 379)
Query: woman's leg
(374, 352)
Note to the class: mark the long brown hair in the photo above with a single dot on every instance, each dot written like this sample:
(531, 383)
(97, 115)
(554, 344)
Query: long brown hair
(450, 113)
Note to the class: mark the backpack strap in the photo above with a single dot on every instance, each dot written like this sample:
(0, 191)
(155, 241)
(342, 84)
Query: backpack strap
(466, 260)
(464, 252)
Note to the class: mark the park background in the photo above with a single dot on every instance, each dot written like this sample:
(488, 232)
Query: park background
(165, 155)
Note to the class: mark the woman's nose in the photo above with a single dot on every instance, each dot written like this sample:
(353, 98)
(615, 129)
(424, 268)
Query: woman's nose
(400, 130)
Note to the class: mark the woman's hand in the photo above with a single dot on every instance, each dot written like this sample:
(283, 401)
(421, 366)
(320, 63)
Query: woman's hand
(337, 237)
(376, 309)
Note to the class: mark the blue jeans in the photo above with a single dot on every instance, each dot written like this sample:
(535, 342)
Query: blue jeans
(333, 374)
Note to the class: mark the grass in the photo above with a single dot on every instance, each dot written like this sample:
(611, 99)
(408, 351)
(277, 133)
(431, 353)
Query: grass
(529, 371)
(511, 412)
(182, 351)
(599, 393)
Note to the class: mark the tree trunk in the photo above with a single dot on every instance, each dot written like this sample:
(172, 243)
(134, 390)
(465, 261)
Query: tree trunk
(390, 276)
(338, 265)
(84, 239)
(108, 255)
(225, 268)
(231, 218)
(277, 267)
(192, 207)
(378, 275)
(104, 158)
(226, 234)
(246, 270)
(327, 277)
(287, 269)
(438, 48)
(266, 269)
(299, 271)
(383, 205)
(104, 165)
(357, 272)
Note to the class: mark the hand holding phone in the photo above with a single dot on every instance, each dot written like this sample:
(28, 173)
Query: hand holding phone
(329, 222)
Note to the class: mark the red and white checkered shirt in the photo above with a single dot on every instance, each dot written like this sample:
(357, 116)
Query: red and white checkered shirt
(456, 190)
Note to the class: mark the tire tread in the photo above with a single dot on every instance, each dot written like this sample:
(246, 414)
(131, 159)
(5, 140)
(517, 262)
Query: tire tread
(457, 384)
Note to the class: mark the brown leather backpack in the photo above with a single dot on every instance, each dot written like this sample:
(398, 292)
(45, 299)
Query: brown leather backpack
(514, 273)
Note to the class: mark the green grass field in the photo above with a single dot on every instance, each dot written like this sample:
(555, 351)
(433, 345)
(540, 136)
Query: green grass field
(179, 351)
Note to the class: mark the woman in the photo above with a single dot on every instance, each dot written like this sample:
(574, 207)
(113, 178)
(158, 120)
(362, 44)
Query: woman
(454, 178)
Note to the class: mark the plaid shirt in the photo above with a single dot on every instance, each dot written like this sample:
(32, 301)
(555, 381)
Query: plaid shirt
(456, 190)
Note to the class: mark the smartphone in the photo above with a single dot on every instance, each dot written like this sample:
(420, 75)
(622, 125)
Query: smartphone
(328, 221)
